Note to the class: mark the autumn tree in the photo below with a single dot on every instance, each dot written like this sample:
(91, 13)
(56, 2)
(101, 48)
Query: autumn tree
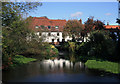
(92, 24)
(99, 25)
(73, 28)
(89, 24)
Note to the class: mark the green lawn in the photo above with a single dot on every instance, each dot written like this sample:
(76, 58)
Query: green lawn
(103, 65)
(19, 59)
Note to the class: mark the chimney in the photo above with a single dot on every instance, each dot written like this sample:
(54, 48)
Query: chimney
(80, 21)
(107, 23)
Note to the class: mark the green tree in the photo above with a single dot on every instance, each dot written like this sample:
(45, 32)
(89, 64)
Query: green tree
(118, 42)
(11, 11)
(101, 45)
(15, 29)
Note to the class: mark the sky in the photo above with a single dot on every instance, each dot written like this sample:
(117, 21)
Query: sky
(104, 11)
(60, 0)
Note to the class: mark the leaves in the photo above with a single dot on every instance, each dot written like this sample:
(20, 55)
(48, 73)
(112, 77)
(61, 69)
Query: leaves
(73, 28)
(12, 11)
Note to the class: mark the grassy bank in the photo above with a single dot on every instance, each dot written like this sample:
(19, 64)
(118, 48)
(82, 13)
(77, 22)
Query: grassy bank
(103, 65)
(19, 59)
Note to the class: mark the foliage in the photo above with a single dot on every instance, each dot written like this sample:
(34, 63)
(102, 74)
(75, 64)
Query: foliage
(89, 24)
(71, 46)
(99, 25)
(92, 24)
(103, 65)
(19, 59)
(15, 29)
(14, 40)
(12, 11)
(118, 21)
(100, 46)
(73, 28)
(51, 52)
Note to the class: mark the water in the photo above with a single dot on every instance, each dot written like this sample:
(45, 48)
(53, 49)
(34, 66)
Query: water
(57, 71)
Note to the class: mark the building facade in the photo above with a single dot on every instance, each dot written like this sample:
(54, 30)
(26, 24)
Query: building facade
(51, 30)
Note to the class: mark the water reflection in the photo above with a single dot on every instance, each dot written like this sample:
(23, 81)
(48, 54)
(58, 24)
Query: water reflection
(53, 70)
(60, 64)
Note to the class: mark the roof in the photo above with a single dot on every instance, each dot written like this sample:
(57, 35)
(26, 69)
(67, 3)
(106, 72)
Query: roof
(112, 26)
(38, 21)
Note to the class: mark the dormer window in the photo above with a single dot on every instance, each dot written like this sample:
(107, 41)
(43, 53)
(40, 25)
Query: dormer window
(49, 27)
(56, 27)
(36, 27)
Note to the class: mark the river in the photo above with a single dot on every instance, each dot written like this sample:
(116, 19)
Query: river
(57, 71)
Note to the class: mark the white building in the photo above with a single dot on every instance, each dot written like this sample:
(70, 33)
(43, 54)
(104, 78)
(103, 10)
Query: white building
(51, 30)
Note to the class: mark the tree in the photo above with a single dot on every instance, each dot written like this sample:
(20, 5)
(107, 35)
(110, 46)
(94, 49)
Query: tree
(101, 45)
(118, 42)
(89, 24)
(12, 11)
(118, 21)
(73, 28)
(99, 25)
(15, 29)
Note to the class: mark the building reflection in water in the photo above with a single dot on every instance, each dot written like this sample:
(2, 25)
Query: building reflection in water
(60, 64)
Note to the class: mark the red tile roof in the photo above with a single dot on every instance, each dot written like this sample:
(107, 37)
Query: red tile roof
(38, 21)
(112, 26)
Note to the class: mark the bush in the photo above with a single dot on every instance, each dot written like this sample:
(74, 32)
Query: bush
(51, 52)
(100, 45)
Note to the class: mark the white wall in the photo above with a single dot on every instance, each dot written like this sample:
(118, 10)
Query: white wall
(53, 35)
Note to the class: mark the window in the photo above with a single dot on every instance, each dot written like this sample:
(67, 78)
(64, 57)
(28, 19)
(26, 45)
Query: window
(49, 27)
(58, 40)
(52, 40)
(57, 34)
(49, 34)
(39, 34)
(36, 27)
(56, 27)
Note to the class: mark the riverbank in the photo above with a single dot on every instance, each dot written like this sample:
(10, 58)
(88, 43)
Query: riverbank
(17, 61)
(103, 65)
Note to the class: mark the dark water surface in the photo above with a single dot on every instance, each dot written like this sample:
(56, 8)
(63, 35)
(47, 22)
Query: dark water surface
(57, 71)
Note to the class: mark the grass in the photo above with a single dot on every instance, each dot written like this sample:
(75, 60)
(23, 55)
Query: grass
(19, 59)
(103, 65)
